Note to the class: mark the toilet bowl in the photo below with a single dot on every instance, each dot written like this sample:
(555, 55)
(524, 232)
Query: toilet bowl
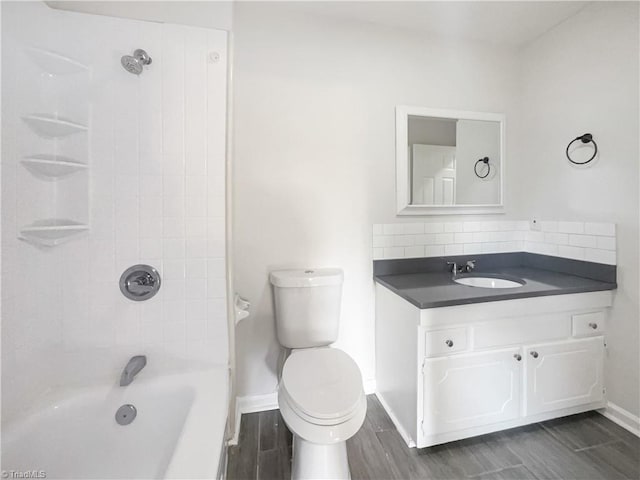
(322, 401)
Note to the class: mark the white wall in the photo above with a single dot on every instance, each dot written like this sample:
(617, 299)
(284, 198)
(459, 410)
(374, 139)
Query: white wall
(314, 165)
(580, 77)
(156, 156)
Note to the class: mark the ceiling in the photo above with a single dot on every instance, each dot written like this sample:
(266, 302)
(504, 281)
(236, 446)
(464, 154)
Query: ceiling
(512, 24)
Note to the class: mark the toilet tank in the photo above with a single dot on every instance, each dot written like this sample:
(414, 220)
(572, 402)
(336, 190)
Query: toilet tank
(307, 306)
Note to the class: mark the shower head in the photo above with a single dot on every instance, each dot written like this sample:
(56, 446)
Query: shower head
(134, 63)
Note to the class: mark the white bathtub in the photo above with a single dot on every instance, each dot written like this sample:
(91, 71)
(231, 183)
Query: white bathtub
(178, 431)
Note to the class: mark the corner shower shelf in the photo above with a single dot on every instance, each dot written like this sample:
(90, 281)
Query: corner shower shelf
(52, 231)
(54, 63)
(51, 167)
(52, 126)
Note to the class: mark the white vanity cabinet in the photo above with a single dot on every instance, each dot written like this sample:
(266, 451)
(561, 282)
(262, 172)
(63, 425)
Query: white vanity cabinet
(454, 372)
(563, 374)
(470, 390)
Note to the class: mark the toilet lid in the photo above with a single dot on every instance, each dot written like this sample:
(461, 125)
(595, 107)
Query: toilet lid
(323, 383)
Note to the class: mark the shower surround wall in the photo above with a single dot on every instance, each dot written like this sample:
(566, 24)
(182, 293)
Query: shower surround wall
(156, 157)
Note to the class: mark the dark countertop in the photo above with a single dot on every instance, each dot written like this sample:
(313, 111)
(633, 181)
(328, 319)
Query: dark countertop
(437, 289)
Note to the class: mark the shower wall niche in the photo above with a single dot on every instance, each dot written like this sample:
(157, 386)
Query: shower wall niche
(53, 151)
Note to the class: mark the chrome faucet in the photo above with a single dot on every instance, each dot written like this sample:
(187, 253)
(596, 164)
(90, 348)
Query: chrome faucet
(133, 367)
(466, 268)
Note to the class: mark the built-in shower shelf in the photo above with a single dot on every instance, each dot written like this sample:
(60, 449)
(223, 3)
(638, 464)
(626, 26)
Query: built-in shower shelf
(52, 167)
(52, 126)
(51, 232)
(54, 63)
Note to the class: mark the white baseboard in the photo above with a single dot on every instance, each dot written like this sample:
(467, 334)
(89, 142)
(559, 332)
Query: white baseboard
(257, 403)
(622, 417)
(252, 404)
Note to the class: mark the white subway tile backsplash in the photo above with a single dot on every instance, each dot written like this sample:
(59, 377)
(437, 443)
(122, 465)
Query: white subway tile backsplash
(394, 252)
(478, 237)
(490, 226)
(444, 238)
(382, 241)
(556, 238)
(470, 248)
(583, 241)
(455, 249)
(603, 229)
(453, 227)
(534, 237)
(571, 227)
(393, 229)
(403, 240)
(426, 239)
(415, 251)
(463, 237)
(456, 238)
(606, 243)
(434, 250)
(434, 227)
(472, 227)
(413, 228)
(377, 229)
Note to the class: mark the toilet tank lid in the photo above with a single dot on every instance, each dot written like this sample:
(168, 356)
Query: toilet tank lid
(311, 277)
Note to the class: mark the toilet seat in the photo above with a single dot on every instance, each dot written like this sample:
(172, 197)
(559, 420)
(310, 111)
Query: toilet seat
(322, 385)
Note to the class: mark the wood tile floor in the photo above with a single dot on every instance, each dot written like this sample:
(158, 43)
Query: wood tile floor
(580, 447)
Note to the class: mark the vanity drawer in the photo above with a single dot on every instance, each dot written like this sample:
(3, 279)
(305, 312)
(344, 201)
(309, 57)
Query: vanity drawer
(588, 324)
(443, 342)
(517, 331)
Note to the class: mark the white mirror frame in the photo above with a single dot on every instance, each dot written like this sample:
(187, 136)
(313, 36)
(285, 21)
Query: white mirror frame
(403, 185)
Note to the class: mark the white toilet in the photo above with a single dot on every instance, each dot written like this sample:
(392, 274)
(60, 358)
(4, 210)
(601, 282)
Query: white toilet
(320, 395)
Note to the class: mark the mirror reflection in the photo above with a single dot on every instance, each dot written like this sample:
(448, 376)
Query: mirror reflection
(454, 161)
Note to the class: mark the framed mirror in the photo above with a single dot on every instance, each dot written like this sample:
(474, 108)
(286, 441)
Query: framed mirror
(449, 162)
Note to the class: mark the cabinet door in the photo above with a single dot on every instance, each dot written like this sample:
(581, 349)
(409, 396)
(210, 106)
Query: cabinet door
(464, 391)
(563, 374)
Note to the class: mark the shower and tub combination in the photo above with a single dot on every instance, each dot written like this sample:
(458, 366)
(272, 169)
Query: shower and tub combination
(115, 358)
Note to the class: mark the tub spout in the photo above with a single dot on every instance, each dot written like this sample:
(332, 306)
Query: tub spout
(133, 367)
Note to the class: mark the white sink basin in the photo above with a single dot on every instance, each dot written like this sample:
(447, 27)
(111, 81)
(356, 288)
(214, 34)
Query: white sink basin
(488, 282)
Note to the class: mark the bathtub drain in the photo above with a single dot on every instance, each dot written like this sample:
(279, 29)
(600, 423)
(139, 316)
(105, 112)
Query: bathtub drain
(126, 414)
